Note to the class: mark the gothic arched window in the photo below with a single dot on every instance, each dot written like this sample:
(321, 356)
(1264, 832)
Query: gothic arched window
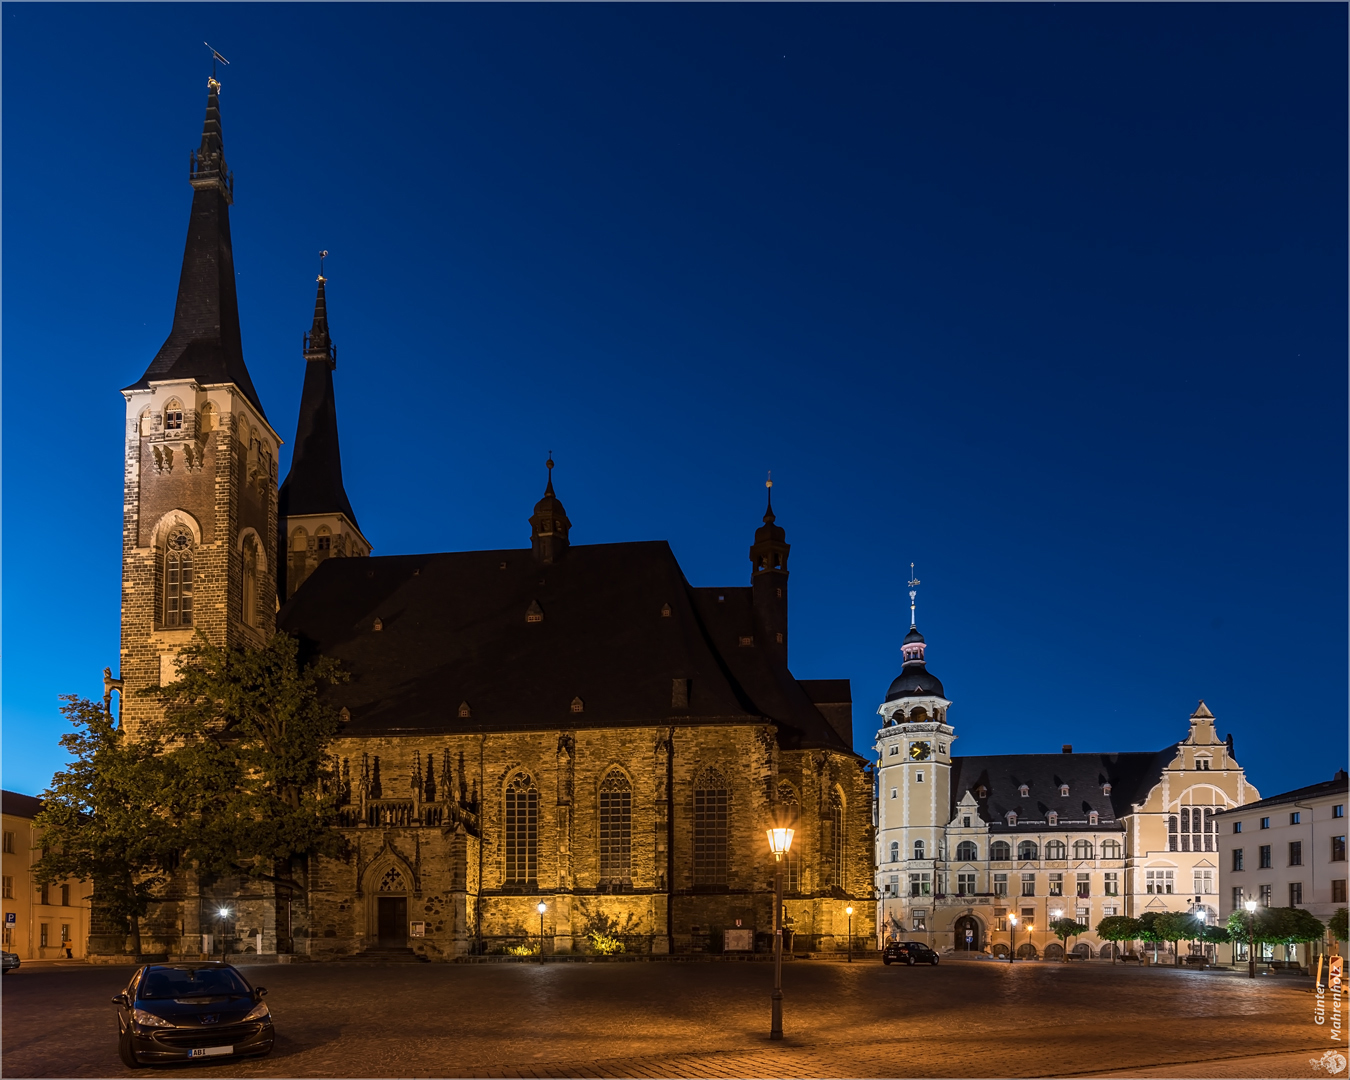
(616, 828)
(522, 831)
(249, 591)
(1055, 849)
(792, 861)
(918, 849)
(966, 851)
(1026, 850)
(173, 416)
(1000, 851)
(1171, 832)
(837, 838)
(178, 578)
(711, 804)
(1082, 849)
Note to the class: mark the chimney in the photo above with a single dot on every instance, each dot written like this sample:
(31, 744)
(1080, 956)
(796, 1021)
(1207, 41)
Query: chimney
(1067, 748)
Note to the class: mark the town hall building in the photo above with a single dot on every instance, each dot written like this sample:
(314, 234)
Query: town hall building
(565, 729)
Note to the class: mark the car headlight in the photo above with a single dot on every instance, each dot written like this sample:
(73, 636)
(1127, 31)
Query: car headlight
(149, 1019)
(258, 1012)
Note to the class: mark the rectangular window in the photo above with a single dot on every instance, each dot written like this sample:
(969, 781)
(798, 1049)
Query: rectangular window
(323, 543)
(1295, 852)
(7, 887)
(42, 934)
(893, 885)
(965, 884)
(920, 885)
(1264, 858)
(1265, 823)
(9, 843)
(710, 836)
(1338, 890)
(1084, 885)
(1000, 918)
(919, 776)
(1338, 849)
(1338, 810)
(1238, 898)
(1110, 909)
(1294, 818)
(1028, 884)
(43, 896)
(1028, 914)
(1159, 882)
(1237, 826)
(65, 933)
(1083, 915)
(1295, 893)
(1203, 881)
(920, 920)
(1056, 885)
(1237, 858)
(1266, 892)
(1111, 884)
(616, 830)
(1000, 884)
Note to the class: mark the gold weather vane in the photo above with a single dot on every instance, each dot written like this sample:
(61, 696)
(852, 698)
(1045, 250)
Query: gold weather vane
(211, 82)
(769, 482)
(322, 255)
(913, 585)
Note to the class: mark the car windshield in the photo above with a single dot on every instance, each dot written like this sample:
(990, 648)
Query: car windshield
(163, 983)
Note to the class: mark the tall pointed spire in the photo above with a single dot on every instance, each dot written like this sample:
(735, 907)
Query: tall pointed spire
(205, 343)
(549, 524)
(318, 342)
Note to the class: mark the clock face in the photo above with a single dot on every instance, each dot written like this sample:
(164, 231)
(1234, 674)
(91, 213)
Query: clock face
(919, 751)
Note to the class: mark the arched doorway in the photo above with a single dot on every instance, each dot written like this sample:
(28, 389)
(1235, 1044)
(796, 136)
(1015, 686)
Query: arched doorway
(391, 909)
(968, 936)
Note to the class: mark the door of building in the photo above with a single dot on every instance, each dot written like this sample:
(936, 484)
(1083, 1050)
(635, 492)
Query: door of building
(968, 934)
(393, 921)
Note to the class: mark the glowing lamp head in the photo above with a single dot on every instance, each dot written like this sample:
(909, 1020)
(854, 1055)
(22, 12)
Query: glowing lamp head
(848, 910)
(1057, 913)
(780, 840)
(541, 907)
(224, 913)
(1250, 905)
(1012, 919)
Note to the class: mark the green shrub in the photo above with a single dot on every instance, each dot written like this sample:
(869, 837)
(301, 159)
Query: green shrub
(603, 944)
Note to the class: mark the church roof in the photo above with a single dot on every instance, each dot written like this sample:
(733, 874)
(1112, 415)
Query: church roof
(204, 342)
(454, 628)
(1131, 776)
(314, 483)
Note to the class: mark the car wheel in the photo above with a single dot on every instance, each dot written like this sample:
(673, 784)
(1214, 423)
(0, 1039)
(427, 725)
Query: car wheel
(886, 960)
(909, 960)
(934, 961)
(125, 1052)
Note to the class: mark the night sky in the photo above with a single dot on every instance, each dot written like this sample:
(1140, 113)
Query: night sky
(1050, 301)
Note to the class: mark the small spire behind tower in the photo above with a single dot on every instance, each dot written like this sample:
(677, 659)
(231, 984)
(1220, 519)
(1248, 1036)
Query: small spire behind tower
(318, 343)
(913, 587)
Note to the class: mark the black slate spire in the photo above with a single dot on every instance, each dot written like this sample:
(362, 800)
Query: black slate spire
(549, 525)
(204, 343)
(314, 484)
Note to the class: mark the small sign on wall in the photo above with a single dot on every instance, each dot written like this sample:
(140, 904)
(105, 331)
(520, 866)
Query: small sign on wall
(417, 929)
(739, 941)
(9, 918)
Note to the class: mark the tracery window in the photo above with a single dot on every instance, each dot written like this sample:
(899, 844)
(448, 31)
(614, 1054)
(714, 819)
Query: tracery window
(837, 838)
(1027, 849)
(966, 851)
(616, 828)
(392, 881)
(522, 831)
(711, 805)
(792, 861)
(178, 578)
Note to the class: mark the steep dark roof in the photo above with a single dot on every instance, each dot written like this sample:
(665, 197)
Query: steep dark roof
(1337, 785)
(1131, 776)
(204, 343)
(314, 483)
(454, 629)
(24, 806)
(915, 680)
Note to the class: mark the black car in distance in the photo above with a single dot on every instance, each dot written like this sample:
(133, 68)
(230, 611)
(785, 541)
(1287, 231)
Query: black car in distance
(908, 952)
(178, 1012)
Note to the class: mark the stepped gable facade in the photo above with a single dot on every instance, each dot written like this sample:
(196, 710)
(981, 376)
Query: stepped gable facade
(562, 724)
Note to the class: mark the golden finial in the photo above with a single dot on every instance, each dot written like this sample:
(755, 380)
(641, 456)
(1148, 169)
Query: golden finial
(322, 255)
(211, 82)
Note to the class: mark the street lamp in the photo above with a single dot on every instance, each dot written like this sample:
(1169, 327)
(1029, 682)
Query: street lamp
(1055, 916)
(780, 841)
(1012, 938)
(541, 907)
(849, 912)
(222, 914)
(1250, 905)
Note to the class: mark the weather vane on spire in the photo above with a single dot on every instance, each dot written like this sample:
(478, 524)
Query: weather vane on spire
(913, 585)
(322, 255)
(769, 482)
(211, 82)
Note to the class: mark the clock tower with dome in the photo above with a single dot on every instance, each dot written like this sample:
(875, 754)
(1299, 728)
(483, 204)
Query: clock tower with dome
(913, 788)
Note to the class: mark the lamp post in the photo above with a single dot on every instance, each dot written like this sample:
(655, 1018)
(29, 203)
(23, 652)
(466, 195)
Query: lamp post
(849, 912)
(780, 840)
(541, 907)
(1250, 905)
(1057, 914)
(222, 914)
(1012, 938)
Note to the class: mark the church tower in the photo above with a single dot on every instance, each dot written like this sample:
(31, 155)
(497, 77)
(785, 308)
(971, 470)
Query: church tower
(317, 521)
(549, 526)
(913, 790)
(768, 582)
(200, 495)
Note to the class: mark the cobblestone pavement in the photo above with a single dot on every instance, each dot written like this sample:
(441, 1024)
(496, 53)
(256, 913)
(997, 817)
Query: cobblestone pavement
(708, 1020)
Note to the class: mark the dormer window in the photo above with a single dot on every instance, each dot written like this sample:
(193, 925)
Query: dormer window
(1012, 818)
(464, 711)
(1106, 789)
(1024, 791)
(1092, 817)
(1052, 818)
(1063, 791)
(981, 792)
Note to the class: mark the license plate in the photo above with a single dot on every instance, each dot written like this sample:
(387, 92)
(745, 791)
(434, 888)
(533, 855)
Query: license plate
(210, 1051)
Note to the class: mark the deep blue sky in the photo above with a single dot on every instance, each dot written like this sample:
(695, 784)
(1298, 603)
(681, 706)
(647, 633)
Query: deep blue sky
(1049, 300)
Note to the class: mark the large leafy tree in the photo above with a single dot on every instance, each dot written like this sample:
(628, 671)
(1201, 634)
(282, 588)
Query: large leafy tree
(1118, 928)
(106, 819)
(1175, 926)
(1066, 928)
(1337, 924)
(252, 778)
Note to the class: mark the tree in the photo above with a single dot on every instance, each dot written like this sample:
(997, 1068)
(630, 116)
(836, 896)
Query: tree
(1216, 935)
(1288, 926)
(104, 820)
(252, 781)
(1337, 925)
(1148, 931)
(1066, 928)
(1118, 928)
(1177, 926)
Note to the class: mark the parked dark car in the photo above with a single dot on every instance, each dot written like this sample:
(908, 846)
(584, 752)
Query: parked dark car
(8, 961)
(908, 952)
(176, 1012)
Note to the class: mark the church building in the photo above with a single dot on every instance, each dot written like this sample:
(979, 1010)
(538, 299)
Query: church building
(981, 853)
(565, 730)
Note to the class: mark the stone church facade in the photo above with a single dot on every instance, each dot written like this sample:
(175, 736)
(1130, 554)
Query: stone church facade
(965, 845)
(572, 726)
